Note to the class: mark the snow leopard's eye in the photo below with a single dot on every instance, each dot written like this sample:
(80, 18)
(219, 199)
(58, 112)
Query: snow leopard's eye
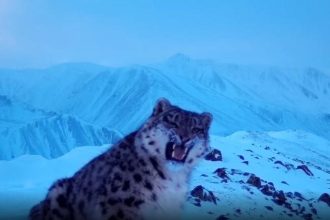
(197, 130)
(171, 123)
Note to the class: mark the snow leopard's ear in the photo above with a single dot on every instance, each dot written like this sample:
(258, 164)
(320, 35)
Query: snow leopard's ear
(207, 119)
(161, 106)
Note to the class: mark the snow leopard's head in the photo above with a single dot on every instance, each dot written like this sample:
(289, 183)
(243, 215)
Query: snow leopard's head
(176, 135)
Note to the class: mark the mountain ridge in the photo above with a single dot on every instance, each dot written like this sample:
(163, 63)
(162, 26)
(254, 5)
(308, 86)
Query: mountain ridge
(27, 130)
(240, 97)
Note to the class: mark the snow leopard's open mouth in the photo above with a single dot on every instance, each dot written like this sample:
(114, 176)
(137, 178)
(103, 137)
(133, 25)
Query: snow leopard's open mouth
(176, 152)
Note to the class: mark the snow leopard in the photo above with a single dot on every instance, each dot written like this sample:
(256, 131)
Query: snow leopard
(143, 176)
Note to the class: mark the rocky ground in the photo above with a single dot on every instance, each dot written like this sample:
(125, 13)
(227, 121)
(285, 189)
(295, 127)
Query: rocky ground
(262, 176)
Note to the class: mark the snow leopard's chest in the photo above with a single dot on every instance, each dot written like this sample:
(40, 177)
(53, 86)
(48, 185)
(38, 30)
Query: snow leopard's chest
(171, 194)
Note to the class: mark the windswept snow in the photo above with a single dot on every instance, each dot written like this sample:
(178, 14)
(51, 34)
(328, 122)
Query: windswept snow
(24, 180)
(34, 174)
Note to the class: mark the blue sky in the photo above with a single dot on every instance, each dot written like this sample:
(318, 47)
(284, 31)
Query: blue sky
(39, 33)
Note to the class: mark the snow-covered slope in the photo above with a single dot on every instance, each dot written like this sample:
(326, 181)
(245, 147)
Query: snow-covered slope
(303, 89)
(124, 98)
(32, 176)
(280, 98)
(261, 176)
(27, 130)
(15, 114)
(220, 189)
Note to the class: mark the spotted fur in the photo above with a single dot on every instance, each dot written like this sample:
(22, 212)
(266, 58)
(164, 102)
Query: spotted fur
(135, 178)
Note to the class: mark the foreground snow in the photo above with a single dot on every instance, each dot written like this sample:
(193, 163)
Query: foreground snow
(24, 181)
(272, 156)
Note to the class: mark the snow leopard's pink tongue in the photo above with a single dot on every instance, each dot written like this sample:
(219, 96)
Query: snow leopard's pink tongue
(178, 153)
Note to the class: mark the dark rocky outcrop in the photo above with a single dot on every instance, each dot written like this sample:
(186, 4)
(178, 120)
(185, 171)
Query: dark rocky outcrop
(214, 155)
(267, 189)
(246, 162)
(221, 172)
(222, 217)
(241, 157)
(288, 166)
(269, 208)
(305, 169)
(279, 197)
(254, 180)
(298, 196)
(203, 194)
(325, 198)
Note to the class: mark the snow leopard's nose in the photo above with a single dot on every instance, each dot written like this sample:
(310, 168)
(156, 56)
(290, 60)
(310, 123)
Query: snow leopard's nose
(184, 139)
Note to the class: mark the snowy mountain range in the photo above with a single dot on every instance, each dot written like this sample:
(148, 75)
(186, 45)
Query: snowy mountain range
(102, 100)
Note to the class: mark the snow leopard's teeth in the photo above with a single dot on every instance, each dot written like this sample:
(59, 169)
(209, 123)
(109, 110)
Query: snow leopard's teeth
(181, 156)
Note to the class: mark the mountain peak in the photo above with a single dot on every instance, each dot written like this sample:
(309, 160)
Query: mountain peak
(179, 57)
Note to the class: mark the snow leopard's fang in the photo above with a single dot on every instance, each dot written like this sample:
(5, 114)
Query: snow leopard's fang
(176, 152)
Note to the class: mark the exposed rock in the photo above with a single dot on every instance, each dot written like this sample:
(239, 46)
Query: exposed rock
(271, 158)
(198, 204)
(279, 162)
(269, 208)
(246, 162)
(308, 216)
(222, 217)
(214, 155)
(240, 157)
(254, 180)
(198, 192)
(279, 197)
(267, 189)
(288, 166)
(239, 172)
(305, 169)
(221, 172)
(299, 196)
(288, 206)
(203, 194)
(325, 198)
(289, 195)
